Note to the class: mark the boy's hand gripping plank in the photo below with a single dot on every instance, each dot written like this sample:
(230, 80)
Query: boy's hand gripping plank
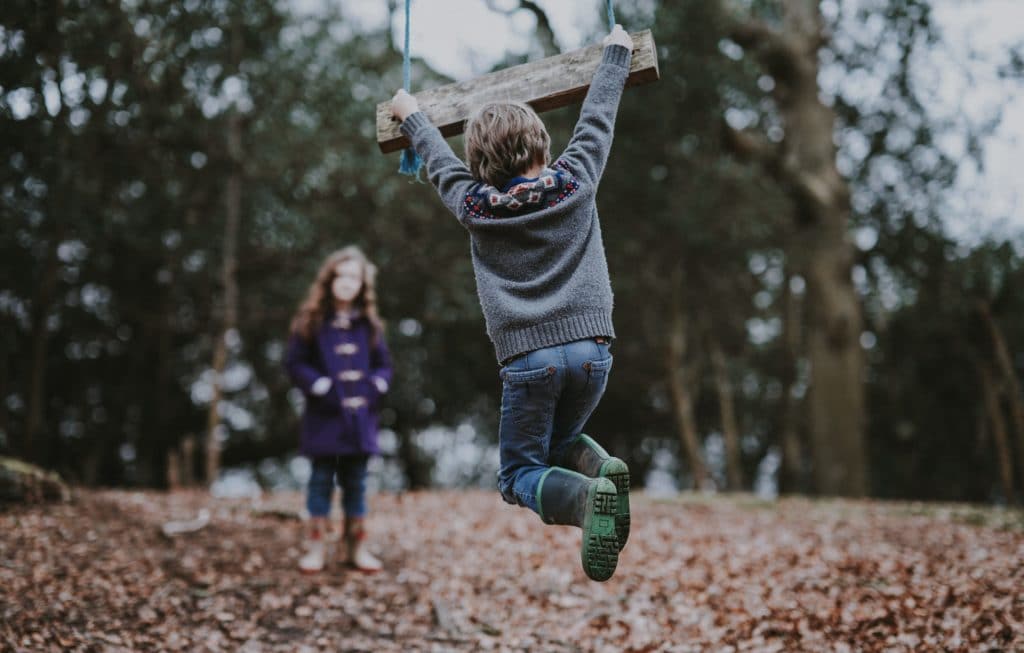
(547, 84)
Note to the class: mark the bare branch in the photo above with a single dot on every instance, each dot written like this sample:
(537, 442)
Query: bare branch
(810, 191)
(545, 34)
(754, 146)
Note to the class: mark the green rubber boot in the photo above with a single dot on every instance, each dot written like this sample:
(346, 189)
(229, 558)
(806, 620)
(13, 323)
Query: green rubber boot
(590, 459)
(570, 498)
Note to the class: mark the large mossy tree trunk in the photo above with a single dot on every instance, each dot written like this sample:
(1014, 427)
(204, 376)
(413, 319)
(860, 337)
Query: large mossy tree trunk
(804, 162)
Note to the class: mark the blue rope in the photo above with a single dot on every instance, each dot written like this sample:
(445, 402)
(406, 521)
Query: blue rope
(611, 16)
(411, 161)
(406, 60)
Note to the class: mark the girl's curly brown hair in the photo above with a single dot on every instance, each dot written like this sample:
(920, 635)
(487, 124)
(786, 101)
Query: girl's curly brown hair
(319, 301)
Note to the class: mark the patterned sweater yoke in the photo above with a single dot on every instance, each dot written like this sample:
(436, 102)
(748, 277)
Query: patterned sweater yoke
(550, 188)
(538, 257)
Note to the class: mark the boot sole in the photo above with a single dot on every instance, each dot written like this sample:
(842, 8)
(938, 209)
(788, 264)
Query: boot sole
(363, 570)
(615, 470)
(600, 549)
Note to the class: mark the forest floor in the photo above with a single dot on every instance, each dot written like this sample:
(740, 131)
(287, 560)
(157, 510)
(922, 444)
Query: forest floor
(465, 572)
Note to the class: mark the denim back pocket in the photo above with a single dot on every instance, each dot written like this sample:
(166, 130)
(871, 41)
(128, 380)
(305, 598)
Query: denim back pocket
(597, 372)
(597, 380)
(531, 399)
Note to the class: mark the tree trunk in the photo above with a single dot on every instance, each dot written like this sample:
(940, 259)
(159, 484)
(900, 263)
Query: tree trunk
(233, 215)
(790, 472)
(61, 206)
(727, 410)
(188, 460)
(158, 447)
(836, 397)
(1004, 459)
(173, 471)
(805, 165)
(5, 375)
(1004, 361)
(415, 464)
(679, 383)
(682, 409)
(836, 394)
(40, 347)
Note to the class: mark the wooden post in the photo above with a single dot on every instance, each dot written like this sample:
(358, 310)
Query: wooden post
(547, 84)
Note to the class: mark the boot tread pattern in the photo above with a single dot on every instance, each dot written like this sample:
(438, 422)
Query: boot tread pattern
(621, 481)
(605, 503)
(601, 544)
(602, 556)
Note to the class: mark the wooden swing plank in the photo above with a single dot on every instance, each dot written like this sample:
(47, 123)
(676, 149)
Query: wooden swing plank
(547, 84)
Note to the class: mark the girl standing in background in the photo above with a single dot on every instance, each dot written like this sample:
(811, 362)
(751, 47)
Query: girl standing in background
(338, 359)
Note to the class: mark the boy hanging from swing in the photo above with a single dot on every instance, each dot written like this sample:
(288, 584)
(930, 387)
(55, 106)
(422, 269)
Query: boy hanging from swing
(543, 284)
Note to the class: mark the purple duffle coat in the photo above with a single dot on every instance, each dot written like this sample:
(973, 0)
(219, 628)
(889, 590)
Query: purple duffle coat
(343, 421)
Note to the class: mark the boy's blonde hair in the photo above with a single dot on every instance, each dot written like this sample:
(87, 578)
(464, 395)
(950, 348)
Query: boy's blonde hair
(504, 140)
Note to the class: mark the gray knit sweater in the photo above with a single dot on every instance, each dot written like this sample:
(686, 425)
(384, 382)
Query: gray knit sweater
(539, 261)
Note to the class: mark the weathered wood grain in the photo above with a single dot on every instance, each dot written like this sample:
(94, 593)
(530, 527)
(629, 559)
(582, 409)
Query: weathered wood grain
(545, 85)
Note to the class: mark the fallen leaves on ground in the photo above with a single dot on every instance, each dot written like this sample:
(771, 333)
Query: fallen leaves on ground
(465, 572)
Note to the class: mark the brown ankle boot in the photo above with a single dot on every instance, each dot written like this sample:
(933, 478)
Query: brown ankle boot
(359, 556)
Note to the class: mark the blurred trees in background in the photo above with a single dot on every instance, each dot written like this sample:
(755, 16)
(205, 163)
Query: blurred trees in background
(789, 304)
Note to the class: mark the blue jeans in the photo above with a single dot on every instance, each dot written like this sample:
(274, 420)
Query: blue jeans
(547, 396)
(351, 474)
